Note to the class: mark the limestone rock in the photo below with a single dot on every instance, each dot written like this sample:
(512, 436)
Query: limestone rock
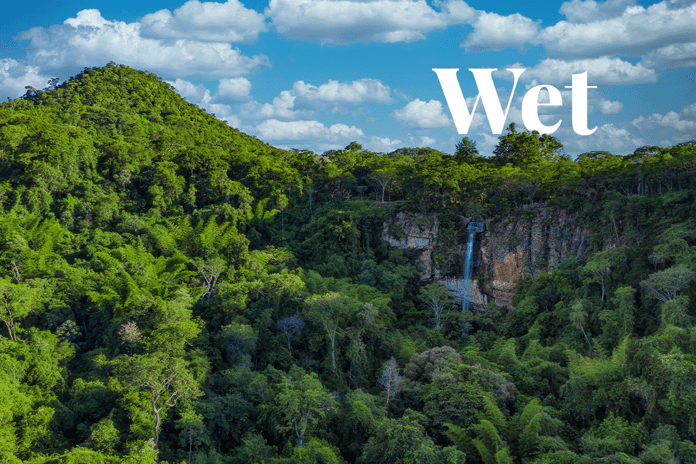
(526, 242)
(414, 232)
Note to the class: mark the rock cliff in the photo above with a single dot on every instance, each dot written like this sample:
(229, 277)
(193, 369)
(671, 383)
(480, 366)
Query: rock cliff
(527, 241)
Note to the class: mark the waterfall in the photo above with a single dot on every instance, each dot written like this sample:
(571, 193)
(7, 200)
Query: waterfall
(473, 228)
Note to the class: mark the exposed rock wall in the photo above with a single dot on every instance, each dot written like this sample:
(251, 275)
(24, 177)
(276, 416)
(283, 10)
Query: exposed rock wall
(414, 232)
(528, 241)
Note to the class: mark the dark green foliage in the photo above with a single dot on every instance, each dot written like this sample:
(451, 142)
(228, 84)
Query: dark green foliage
(173, 289)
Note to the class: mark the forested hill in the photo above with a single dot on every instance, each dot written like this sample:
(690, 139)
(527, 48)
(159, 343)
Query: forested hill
(174, 290)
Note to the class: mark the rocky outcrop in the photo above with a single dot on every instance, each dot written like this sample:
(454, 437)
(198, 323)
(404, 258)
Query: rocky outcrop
(414, 232)
(528, 241)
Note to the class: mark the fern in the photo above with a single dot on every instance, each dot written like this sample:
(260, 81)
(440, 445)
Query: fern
(492, 414)
(488, 441)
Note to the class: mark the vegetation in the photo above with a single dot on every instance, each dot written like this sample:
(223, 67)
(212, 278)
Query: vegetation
(176, 291)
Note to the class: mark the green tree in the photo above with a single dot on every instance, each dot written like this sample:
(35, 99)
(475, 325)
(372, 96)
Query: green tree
(166, 379)
(465, 151)
(664, 285)
(301, 403)
(437, 299)
(332, 311)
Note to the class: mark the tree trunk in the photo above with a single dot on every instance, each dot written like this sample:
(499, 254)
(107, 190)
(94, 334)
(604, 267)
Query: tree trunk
(157, 421)
(333, 356)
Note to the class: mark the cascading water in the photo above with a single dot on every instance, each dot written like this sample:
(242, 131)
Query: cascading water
(473, 228)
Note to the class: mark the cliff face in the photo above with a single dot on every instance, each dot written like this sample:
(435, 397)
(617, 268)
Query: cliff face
(414, 232)
(526, 242)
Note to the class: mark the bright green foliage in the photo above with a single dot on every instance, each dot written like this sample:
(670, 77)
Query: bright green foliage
(664, 285)
(404, 441)
(302, 403)
(149, 254)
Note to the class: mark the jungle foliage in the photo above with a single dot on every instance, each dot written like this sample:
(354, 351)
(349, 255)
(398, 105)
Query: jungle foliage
(174, 290)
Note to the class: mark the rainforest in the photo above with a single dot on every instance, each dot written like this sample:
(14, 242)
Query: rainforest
(176, 291)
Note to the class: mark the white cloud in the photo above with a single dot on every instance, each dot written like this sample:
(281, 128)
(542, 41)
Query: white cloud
(304, 100)
(638, 30)
(14, 77)
(314, 131)
(421, 141)
(671, 120)
(190, 91)
(199, 95)
(610, 138)
(495, 32)
(610, 107)
(282, 107)
(673, 56)
(89, 39)
(426, 115)
(207, 21)
(488, 144)
(233, 90)
(384, 144)
(584, 11)
(689, 110)
(363, 91)
(600, 71)
(351, 21)
(663, 32)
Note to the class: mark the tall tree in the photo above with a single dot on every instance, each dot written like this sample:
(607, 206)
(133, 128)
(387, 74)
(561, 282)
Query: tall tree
(166, 379)
(390, 380)
(332, 311)
(302, 402)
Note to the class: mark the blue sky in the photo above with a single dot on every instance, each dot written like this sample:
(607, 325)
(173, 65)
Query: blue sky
(318, 74)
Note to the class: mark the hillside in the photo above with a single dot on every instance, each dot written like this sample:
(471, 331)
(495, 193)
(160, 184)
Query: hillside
(177, 291)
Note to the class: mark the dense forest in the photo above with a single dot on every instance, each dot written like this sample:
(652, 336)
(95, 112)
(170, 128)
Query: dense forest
(176, 291)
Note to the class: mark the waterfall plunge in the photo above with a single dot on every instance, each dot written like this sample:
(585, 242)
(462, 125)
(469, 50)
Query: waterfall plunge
(473, 228)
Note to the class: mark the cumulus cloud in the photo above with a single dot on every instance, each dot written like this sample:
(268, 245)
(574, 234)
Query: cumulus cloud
(610, 107)
(200, 95)
(360, 92)
(281, 107)
(689, 110)
(273, 129)
(495, 32)
(600, 71)
(662, 33)
(421, 141)
(207, 21)
(384, 144)
(89, 38)
(344, 22)
(672, 56)
(637, 31)
(425, 115)
(306, 99)
(671, 120)
(190, 91)
(611, 138)
(584, 11)
(14, 77)
(233, 90)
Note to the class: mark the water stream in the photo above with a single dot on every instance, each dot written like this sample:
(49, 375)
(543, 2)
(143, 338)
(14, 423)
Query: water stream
(473, 228)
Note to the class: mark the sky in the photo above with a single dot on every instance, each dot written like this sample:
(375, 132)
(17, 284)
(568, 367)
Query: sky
(319, 74)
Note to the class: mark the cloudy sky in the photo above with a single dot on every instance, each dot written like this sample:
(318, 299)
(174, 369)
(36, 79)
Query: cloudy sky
(318, 74)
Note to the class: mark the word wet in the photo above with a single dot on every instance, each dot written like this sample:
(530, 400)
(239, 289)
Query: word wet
(530, 102)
